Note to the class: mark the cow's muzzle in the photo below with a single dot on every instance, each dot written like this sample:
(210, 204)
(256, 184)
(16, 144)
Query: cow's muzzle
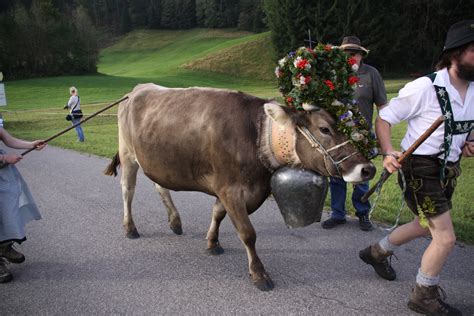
(360, 173)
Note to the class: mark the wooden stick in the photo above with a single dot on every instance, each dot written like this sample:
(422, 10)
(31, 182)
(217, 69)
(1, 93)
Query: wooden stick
(77, 124)
(408, 152)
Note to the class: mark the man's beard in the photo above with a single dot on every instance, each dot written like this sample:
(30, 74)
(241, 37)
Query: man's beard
(465, 72)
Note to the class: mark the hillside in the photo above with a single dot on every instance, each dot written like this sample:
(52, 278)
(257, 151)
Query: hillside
(251, 59)
(153, 54)
(168, 58)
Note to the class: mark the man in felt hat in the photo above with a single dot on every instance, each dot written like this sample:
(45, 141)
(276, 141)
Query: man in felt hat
(370, 90)
(430, 173)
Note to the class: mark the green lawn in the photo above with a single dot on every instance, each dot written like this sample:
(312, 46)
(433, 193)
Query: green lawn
(215, 58)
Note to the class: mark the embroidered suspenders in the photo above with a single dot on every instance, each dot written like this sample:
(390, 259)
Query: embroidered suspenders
(451, 127)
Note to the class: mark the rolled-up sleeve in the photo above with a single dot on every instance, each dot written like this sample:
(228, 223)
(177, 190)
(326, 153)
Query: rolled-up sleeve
(409, 102)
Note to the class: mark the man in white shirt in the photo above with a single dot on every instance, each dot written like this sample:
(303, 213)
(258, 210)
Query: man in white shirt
(431, 172)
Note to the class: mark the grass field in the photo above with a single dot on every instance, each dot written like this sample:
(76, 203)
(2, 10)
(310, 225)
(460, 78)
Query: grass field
(214, 58)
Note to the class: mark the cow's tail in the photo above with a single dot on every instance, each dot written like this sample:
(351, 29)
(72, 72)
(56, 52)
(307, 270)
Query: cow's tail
(111, 169)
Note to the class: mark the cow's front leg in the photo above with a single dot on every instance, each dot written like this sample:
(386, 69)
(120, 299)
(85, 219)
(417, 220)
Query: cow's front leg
(173, 215)
(218, 214)
(128, 181)
(234, 203)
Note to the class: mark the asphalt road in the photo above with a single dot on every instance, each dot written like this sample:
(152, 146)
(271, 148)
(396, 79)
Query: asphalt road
(79, 261)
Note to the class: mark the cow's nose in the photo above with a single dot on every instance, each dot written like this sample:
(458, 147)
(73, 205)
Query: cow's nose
(368, 172)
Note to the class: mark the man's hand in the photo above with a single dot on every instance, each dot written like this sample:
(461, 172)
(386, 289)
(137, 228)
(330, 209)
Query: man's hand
(12, 158)
(39, 144)
(390, 161)
(468, 148)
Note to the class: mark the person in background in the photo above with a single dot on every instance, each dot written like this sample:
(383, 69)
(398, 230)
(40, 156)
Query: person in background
(430, 173)
(17, 206)
(370, 91)
(75, 113)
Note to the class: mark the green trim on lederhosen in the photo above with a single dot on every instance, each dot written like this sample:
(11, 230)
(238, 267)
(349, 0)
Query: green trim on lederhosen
(451, 127)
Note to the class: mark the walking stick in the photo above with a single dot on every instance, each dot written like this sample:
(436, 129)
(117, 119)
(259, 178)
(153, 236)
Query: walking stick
(405, 154)
(77, 124)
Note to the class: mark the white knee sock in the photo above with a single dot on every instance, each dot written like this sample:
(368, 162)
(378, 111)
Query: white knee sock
(426, 280)
(386, 245)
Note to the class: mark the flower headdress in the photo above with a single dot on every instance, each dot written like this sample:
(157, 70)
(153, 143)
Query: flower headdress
(326, 77)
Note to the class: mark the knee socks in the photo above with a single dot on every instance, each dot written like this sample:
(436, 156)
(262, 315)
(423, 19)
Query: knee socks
(426, 280)
(386, 245)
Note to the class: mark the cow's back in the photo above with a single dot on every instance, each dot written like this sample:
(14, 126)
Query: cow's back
(193, 138)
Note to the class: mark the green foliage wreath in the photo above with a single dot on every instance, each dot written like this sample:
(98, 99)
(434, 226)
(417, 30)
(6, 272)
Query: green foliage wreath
(327, 77)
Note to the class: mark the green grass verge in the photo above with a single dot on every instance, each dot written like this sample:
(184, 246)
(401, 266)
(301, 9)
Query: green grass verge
(215, 58)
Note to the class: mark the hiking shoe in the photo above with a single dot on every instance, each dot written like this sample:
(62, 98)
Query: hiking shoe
(377, 258)
(333, 222)
(5, 275)
(427, 300)
(8, 252)
(364, 223)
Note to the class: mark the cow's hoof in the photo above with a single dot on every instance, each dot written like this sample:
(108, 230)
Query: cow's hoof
(264, 284)
(177, 230)
(133, 234)
(217, 250)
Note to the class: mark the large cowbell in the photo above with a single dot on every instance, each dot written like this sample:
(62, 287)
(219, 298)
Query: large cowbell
(300, 195)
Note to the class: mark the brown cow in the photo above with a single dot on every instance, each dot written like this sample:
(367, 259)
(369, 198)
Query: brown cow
(226, 144)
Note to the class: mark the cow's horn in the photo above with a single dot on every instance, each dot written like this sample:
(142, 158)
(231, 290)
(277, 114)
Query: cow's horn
(310, 107)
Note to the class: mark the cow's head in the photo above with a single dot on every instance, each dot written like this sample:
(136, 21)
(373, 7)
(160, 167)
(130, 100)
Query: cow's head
(310, 139)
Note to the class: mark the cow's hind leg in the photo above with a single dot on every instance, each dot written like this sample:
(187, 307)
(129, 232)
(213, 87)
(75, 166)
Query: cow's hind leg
(218, 214)
(234, 202)
(128, 181)
(173, 215)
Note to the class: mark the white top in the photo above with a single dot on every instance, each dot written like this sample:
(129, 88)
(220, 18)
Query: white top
(418, 104)
(72, 102)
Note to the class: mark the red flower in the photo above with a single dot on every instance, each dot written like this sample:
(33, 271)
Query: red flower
(301, 64)
(328, 48)
(307, 79)
(312, 52)
(353, 80)
(352, 61)
(289, 100)
(329, 84)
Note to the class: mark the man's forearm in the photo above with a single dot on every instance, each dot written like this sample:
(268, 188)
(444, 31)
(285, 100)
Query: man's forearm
(384, 135)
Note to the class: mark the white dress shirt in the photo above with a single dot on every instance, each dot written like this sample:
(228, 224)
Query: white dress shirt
(417, 103)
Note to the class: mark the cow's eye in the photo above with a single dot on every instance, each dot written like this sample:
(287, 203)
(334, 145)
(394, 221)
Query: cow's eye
(325, 130)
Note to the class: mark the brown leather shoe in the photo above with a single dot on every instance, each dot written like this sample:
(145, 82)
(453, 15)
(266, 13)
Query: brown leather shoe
(5, 275)
(377, 258)
(8, 252)
(427, 300)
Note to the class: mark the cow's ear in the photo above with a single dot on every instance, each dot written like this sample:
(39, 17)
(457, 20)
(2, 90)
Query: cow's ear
(276, 113)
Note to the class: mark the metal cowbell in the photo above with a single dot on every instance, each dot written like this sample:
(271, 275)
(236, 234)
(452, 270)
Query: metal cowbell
(300, 195)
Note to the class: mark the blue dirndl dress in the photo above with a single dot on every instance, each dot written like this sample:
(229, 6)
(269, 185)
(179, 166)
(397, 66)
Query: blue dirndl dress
(17, 206)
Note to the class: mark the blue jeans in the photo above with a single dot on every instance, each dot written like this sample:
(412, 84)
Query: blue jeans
(79, 131)
(338, 188)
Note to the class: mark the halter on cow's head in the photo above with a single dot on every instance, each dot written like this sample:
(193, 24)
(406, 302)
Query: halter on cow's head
(311, 140)
(325, 77)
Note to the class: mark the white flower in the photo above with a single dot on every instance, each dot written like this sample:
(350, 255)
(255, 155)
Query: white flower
(337, 103)
(296, 82)
(282, 62)
(307, 66)
(302, 80)
(355, 67)
(356, 136)
(277, 72)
